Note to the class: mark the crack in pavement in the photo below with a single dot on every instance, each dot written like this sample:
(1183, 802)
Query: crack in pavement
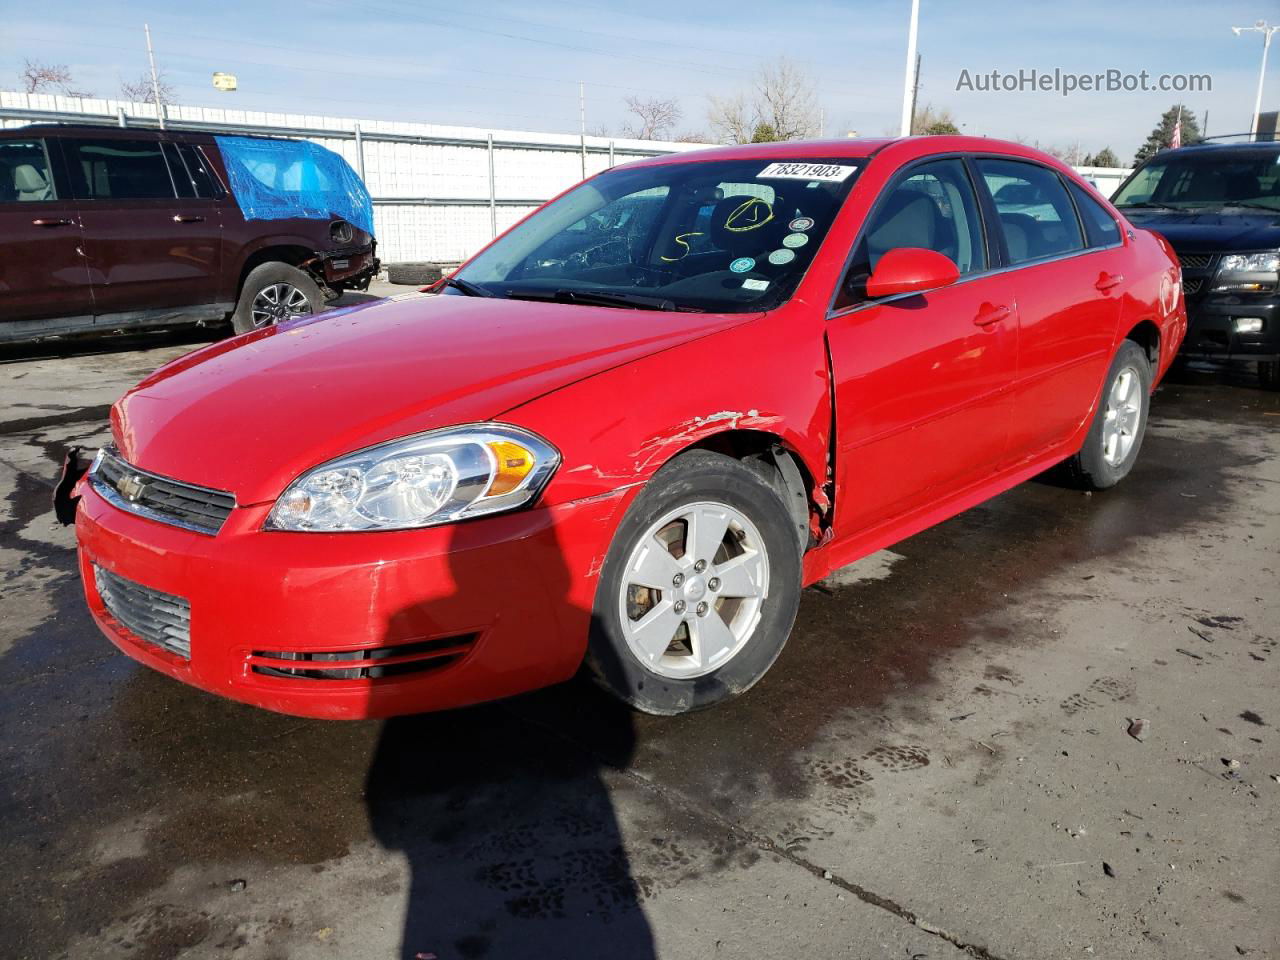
(676, 800)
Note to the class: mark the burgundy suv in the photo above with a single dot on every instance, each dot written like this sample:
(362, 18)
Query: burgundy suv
(106, 229)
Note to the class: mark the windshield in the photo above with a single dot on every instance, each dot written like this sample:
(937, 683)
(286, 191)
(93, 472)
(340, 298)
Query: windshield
(727, 236)
(1206, 179)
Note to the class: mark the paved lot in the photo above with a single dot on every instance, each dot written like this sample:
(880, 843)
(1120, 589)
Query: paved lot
(937, 764)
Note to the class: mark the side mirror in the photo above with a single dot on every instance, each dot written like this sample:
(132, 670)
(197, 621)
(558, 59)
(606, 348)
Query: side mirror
(911, 270)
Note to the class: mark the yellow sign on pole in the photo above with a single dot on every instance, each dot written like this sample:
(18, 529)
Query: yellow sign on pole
(224, 81)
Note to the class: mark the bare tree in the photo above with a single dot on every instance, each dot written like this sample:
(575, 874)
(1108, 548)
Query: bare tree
(931, 120)
(781, 101)
(653, 118)
(140, 91)
(49, 78)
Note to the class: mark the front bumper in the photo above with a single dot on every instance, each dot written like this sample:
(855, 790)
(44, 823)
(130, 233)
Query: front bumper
(501, 603)
(1211, 333)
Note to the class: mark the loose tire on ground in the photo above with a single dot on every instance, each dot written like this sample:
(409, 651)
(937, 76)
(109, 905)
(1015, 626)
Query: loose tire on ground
(274, 283)
(1121, 419)
(413, 274)
(736, 648)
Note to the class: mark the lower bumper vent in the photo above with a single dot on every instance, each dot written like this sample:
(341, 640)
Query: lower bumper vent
(158, 618)
(368, 664)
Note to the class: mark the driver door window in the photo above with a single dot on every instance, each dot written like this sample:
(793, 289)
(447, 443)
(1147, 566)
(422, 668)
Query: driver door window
(933, 207)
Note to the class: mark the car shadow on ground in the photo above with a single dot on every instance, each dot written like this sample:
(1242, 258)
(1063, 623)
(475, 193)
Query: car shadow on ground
(508, 827)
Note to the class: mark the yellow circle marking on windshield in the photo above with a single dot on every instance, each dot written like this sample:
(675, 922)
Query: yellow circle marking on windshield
(751, 214)
(680, 239)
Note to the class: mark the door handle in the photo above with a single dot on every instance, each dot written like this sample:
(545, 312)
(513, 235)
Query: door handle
(50, 222)
(187, 218)
(1108, 280)
(990, 314)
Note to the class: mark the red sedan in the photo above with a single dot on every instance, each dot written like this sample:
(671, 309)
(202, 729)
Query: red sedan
(629, 431)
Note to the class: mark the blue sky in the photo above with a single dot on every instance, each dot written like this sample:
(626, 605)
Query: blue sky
(516, 65)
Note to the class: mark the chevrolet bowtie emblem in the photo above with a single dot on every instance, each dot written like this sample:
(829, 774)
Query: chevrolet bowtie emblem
(131, 486)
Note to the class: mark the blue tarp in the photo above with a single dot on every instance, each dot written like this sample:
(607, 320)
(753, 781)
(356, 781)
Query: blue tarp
(279, 179)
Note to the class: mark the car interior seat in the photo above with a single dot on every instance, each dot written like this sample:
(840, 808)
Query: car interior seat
(30, 184)
(909, 219)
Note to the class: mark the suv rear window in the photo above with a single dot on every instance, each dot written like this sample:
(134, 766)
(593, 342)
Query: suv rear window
(191, 175)
(24, 172)
(118, 169)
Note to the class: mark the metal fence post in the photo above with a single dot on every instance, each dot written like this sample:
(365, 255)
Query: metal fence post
(610, 153)
(360, 152)
(120, 117)
(493, 194)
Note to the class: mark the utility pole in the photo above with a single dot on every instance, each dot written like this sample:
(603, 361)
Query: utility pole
(915, 92)
(1266, 31)
(155, 80)
(582, 124)
(909, 81)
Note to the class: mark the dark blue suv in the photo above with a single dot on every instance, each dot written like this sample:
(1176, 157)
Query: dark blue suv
(1218, 204)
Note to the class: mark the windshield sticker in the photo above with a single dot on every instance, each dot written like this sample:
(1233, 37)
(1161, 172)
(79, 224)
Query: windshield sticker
(794, 240)
(779, 257)
(751, 283)
(742, 265)
(751, 214)
(801, 224)
(828, 172)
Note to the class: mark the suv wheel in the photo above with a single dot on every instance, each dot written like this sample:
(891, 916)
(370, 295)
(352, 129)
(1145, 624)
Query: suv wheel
(1269, 374)
(699, 589)
(273, 292)
(1111, 448)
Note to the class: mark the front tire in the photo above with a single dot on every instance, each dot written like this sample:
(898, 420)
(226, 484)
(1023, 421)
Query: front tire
(1119, 424)
(699, 589)
(273, 292)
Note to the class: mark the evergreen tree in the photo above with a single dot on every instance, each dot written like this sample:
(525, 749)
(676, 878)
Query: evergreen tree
(1103, 158)
(1162, 135)
(764, 133)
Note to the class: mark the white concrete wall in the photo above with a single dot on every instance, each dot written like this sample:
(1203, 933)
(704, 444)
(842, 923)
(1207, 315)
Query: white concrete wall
(1108, 179)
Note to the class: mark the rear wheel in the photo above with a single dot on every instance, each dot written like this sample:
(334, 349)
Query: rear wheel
(1269, 374)
(1115, 437)
(699, 590)
(273, 292)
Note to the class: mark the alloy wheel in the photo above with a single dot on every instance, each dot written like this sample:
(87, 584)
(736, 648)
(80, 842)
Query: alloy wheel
(692, 590)
(278, 302)
(1122, 419)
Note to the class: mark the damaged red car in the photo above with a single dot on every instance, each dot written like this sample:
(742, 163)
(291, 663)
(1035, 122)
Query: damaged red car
(629, 431)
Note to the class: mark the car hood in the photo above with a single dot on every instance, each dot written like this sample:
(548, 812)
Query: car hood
(1212, 232)
(249, 414)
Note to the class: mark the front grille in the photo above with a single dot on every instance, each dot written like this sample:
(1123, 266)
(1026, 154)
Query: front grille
(1192, 286)
(158, 618)
(1196, 261)
(160, 498)
(368, 664)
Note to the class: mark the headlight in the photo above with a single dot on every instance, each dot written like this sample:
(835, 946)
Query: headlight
(1248, 272)
(419, 481)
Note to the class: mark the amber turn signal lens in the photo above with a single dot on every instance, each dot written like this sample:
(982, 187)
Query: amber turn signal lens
(513, 464)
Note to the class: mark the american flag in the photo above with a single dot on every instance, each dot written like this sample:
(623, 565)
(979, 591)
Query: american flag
(1176, 142)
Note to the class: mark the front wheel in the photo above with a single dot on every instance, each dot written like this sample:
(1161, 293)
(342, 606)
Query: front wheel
(273, 292)
(1119, 425)
(699, 589)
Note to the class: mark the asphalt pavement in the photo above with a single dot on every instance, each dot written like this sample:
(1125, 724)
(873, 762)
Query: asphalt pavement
(940, 764)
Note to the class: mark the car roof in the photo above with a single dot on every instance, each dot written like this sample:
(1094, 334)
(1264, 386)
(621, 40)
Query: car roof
(854, 148)
(1257, 146)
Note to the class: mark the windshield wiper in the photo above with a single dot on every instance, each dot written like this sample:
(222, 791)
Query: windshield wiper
(1146, 204)
(1252, 205)
(467, 287)
(600, 298)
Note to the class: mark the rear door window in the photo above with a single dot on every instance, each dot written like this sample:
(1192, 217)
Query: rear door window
(119, 169)
(1036, 215)
(25, 176)
(206, 184)
(1099, 229)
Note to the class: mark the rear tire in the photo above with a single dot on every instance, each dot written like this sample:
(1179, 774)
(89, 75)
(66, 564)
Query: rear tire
(273, 292)
(1119, 424)
(1269, 374)
(714, 542)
